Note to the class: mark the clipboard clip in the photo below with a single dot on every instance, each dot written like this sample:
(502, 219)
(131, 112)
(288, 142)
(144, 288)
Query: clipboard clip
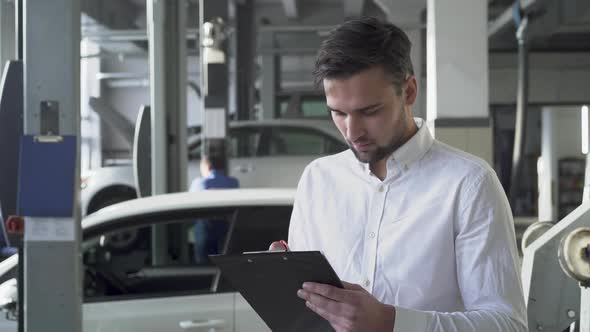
(281, 242)
(48, 139)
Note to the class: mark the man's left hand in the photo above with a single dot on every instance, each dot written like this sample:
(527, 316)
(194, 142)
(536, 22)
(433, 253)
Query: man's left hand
(349, 309)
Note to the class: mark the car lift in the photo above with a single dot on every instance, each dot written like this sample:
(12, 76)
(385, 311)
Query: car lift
(43, 162)
(555, 302)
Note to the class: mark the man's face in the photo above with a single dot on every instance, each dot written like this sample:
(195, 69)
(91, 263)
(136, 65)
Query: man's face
(205, 167)
(369, 113)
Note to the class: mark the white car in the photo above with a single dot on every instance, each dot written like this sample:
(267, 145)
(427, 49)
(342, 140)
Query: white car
(133, 285)
(269, 153)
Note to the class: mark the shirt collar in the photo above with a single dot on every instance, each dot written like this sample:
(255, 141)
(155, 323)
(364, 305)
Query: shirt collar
(415, 148)
(214, 173)
(410, 152)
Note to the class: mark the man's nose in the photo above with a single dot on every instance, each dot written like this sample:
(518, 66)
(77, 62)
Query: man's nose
(355, 128)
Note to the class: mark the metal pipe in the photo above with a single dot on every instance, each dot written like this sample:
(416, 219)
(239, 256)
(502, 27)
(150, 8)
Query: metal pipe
(521, 109)
(296, 28)
(288, 51)
(585, 149)
(320, 29)
(130, 75)
(126, 35)
(505, 20)
(122, 56)
(18, 8)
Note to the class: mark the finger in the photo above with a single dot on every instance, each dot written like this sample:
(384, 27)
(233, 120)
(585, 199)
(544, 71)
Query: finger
(320, 301)
(332, 318)
(350, 286)
(276, 246)
(341, 309)
(328, 291)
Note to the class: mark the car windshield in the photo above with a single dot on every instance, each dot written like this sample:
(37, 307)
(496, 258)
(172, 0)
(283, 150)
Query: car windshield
(269, 141)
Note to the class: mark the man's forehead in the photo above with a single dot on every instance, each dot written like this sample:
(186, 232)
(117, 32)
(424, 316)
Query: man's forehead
(374, 72)
(353, 96)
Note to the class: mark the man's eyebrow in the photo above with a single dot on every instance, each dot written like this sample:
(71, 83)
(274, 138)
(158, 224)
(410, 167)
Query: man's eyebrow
(362, 109)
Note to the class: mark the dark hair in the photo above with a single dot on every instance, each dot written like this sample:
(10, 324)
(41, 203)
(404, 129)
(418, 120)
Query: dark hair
(361, 44)
(215, 161)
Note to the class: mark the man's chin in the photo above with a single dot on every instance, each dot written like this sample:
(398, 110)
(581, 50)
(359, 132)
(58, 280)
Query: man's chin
(363, 157)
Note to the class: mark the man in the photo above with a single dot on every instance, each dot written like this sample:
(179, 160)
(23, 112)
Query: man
(423, 232)
(210, 233)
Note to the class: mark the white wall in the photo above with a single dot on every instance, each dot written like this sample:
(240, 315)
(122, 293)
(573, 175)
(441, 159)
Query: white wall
(90, 128)
(129, 99)
(561, 138)
(126, 100)
(417, 53)
(474, 140)
(457, 53)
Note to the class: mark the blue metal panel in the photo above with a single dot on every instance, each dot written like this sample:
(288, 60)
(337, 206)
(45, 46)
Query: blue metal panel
(47, 174)
(11, 129)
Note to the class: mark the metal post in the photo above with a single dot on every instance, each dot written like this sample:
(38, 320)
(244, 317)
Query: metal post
(245, 54)
(270, 77)
(18, 34)
(156, 15)
(167, 53)
(21, 290)
(213, 20)
(547, 169)
(53, 287)
(585, 112)
(584, 308)
(521, 109)
(175, 94)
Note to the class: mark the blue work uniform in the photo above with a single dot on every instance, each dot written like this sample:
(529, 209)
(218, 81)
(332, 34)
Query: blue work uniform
(210, 233)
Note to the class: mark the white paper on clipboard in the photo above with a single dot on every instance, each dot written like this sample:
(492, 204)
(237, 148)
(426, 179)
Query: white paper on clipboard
(49, 229)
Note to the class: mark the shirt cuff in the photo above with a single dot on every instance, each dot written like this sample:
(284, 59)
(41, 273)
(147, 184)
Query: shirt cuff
(409, 320)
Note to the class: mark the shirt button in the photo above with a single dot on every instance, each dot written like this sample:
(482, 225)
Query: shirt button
(372, 235)
(381, 189)
(367, 283)
(405, 167)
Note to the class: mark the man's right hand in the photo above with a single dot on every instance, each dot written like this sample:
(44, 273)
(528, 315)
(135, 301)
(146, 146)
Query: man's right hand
(278, 246)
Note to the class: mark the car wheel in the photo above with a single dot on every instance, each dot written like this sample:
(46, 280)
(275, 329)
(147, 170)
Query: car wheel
(124, 240)
(110, 196)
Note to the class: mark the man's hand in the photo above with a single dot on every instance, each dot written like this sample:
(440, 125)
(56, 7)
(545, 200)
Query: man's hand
(278, 246)
(349, 309)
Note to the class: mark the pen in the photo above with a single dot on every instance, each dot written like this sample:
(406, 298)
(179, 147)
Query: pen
(284, 243)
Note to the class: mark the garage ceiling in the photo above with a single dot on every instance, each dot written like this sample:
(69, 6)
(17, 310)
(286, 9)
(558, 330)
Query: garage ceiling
(559, 25)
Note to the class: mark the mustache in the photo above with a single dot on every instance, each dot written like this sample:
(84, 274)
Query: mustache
(358, 142)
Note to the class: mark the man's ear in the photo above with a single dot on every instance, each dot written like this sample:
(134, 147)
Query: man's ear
(411, 91)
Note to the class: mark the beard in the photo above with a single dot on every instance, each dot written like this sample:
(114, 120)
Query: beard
(384, 151)
(380, 152)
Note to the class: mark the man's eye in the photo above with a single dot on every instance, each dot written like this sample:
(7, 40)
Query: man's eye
(371, 112)
(337, 113)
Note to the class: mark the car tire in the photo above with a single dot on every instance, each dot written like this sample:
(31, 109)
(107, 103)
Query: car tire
(110, 196)
(125, 240)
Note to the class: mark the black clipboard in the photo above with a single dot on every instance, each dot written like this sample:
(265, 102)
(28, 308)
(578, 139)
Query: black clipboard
(269, 282)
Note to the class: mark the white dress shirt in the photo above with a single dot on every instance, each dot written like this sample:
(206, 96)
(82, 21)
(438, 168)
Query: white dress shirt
(435, 238)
